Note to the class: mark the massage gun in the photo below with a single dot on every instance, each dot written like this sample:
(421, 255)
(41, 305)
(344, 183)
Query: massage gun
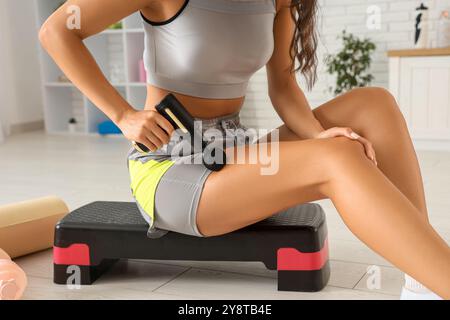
(214, 158)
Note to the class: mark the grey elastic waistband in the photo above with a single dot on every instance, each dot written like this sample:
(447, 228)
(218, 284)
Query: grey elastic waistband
(228, 121)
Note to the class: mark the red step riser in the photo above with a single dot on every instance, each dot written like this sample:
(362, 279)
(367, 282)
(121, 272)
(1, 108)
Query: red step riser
(76, 254)
(294, 260)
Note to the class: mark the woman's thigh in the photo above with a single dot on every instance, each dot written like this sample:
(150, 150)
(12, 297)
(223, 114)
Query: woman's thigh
(241, 194)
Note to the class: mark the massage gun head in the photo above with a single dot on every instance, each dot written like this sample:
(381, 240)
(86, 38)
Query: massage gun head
(214, 158)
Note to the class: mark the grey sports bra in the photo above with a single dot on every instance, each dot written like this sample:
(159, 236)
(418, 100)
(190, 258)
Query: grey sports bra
(210, 48)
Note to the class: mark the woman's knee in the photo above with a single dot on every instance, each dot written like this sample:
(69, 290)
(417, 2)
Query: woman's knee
(340, 154)
(379, 104)
(333, 159)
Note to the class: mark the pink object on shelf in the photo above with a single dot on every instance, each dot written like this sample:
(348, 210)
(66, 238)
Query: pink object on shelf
(142, 72)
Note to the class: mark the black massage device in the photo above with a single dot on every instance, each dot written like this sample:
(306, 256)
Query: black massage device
(172, 109)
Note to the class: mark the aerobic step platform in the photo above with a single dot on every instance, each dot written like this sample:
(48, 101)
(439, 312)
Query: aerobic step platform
(294, 242)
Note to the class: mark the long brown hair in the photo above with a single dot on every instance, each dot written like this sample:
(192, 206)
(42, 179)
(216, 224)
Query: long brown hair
(304, 43)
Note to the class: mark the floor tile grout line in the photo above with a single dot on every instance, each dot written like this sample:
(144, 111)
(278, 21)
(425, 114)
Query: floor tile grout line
(108, 285)
(170, 280)
(233, 272)
(40, 277)
(194, 268)
(245, 274)
(378, 292)
(182, 296)
(361, 290)
(364, 263)
(216, 270)
(360, 279)
(204, 269)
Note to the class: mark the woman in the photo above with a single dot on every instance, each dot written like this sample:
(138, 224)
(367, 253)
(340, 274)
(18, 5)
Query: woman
(204, 51)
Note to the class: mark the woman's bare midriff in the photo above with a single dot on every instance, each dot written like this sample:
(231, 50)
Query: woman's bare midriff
(197, 107)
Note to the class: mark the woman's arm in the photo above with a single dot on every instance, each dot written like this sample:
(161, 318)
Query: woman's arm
(67, 49)
(286, 96)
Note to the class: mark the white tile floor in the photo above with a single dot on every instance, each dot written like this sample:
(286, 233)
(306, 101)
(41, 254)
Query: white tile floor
(82, 169)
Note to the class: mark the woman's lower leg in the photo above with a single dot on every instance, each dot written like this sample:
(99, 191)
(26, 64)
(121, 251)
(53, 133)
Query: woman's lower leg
(379, 214)
(374, 113)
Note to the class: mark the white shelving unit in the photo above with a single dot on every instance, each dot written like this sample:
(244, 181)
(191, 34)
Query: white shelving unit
(116, 51)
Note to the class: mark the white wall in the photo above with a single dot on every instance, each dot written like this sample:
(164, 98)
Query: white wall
(396, 32)
(25, 103)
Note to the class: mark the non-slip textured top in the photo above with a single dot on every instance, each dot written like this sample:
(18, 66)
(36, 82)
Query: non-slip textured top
(210, 48)
(126, 216)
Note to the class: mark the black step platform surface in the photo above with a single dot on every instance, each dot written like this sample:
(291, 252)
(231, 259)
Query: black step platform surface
(294, 242)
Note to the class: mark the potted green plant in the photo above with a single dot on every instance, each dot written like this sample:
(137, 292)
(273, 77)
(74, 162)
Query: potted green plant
(351, 64)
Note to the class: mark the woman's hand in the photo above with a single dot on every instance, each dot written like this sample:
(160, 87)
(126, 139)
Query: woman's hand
(349, 133)
(147, 127)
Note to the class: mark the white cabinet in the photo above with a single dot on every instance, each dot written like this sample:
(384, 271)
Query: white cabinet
(420, 81)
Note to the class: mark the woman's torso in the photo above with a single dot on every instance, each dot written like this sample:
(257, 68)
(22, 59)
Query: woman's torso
(204, 107)
(197, 107)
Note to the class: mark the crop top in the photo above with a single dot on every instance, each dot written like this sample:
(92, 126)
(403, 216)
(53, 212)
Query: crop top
(210, 48)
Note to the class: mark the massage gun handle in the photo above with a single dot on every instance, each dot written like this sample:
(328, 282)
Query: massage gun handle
(169, 108)
(171, 103)
(186, 119)
(140, 147)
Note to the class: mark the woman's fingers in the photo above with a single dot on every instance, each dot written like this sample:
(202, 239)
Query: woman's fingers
(154, 139)
(146, 142)
(157, 130)
(368, 147)
(349, 133)
(330, 133)
(147, 128)
(149, 139)
(338, 132)
(160, 134)
(164, 124)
